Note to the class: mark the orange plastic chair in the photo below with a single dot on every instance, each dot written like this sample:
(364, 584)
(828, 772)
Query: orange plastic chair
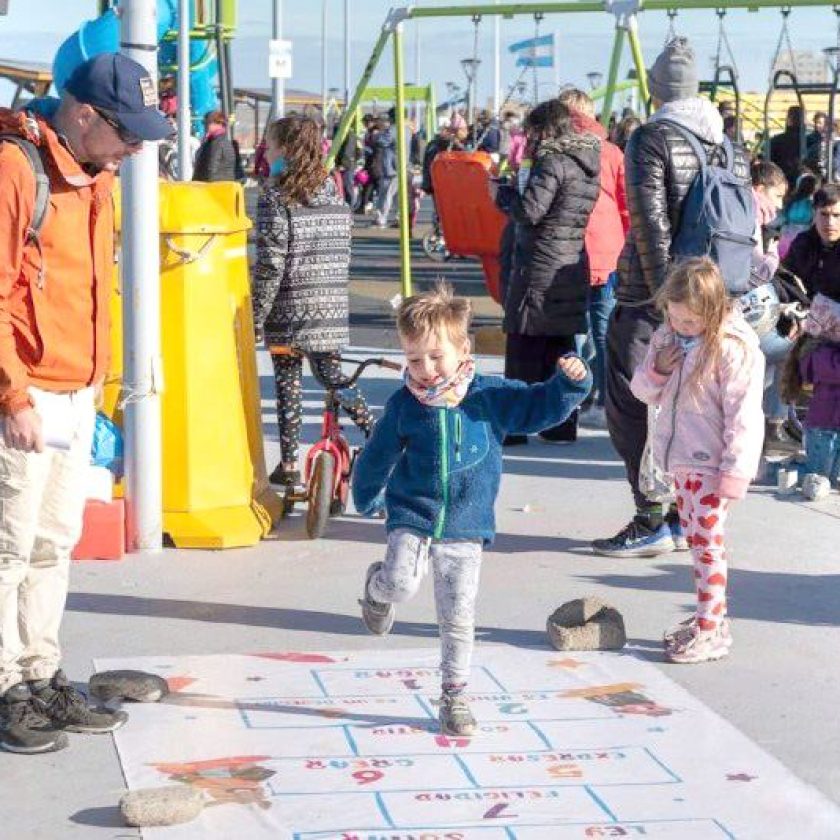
(472, 224)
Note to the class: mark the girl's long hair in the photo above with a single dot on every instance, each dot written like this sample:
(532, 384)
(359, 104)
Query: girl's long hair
(697, 283)
(791, 385)
(299, 140)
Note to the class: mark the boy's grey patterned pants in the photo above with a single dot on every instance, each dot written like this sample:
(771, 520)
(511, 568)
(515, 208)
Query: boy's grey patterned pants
(456, 565)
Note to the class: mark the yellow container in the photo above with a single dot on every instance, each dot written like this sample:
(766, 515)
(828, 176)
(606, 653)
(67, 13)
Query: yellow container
(215, 490)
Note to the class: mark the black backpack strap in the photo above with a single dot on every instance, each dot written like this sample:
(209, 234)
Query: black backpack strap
(42, 182)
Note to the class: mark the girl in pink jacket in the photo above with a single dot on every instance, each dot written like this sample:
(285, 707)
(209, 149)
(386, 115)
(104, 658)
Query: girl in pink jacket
(705, 371)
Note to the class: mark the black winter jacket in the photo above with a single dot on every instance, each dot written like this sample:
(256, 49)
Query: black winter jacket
(549, 285)
(659, 169)
(816, 264)
(215, 160)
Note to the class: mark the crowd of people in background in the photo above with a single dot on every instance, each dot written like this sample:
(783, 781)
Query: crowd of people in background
(589, 270)
(698, 365)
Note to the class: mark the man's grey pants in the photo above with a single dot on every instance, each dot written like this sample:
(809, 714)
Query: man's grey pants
(456, 566)
(628, 336)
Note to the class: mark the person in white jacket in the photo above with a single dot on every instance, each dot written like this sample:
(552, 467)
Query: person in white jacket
(705, 371)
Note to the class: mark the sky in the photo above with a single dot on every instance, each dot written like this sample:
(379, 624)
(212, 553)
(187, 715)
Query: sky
(437, 46)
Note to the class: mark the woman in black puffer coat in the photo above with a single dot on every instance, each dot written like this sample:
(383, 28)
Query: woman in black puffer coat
(545, 304)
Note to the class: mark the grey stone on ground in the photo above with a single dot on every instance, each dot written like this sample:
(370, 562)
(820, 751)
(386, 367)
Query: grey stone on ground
(170, 805)
(815, 487)
(128, 685)
(586, 624)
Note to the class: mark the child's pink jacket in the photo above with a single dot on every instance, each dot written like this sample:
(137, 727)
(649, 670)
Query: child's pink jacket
(714, 426)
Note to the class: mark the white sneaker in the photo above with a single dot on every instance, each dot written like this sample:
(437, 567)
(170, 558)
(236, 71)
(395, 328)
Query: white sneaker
(594, 418)
(688, 626)
(695, 646)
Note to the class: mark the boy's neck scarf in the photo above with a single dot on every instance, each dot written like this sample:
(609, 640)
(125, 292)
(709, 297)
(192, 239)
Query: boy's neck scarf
(446, 394)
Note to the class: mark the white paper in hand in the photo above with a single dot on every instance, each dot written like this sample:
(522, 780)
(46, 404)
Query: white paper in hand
(57, 418)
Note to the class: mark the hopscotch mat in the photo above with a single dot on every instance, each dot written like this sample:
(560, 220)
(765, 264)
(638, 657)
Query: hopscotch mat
(346, 745)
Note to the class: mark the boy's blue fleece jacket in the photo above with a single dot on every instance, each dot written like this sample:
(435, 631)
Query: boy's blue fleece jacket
(440, 467)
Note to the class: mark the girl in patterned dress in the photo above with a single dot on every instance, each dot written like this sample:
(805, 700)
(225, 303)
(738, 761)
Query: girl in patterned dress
(299, 278)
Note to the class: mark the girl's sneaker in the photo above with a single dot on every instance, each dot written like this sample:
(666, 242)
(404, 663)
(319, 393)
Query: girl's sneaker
(697, 646)
(689, 626)
(455, 716)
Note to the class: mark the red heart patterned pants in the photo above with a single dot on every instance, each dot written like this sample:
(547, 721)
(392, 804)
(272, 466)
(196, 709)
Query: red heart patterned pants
(703, 516)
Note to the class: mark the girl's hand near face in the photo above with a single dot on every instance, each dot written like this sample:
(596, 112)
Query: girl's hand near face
(667, 359)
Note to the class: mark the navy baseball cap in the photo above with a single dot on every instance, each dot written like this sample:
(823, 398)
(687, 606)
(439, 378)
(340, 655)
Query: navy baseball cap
(122, 88)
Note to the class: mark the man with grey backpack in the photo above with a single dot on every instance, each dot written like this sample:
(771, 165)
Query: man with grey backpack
(688, 192)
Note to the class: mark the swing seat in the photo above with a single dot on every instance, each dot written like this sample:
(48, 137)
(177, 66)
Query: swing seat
(472, 224)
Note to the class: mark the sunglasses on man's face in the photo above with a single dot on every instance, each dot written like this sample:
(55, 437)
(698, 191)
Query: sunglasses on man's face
(123, 133)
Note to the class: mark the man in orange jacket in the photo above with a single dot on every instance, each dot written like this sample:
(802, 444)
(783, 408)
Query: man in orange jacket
(55, 285)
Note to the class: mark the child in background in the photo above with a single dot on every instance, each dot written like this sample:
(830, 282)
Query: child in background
(705, 371)
(798, 213)
(816, 362)
(436, 456)
(769, 186)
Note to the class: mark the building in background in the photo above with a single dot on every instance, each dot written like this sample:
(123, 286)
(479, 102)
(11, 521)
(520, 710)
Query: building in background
(808, 66)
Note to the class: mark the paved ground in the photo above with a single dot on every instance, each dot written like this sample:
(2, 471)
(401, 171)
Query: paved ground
(780, 686)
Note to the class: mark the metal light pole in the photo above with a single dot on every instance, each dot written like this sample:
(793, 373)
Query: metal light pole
(185, 167)
(278, 105)
(142, 376)
(497, 64)
(324, 60)
(470, 66)
(347, 84)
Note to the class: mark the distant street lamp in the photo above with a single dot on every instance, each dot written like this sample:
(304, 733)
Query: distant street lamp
(470, 66)
(595, 79)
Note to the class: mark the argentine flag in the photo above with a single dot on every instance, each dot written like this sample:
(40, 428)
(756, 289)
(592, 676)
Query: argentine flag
(535, 52)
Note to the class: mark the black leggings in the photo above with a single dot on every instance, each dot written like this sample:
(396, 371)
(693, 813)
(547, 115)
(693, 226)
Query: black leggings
(288, 379)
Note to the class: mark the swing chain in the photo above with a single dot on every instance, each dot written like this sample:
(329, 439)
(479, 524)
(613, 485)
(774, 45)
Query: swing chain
(672, 27)
(784, 39)
(723, 42)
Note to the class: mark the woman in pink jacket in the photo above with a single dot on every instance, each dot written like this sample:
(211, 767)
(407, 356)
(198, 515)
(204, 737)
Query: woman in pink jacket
(705, 371)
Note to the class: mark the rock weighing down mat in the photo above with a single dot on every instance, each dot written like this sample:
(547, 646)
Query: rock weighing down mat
(346, 745)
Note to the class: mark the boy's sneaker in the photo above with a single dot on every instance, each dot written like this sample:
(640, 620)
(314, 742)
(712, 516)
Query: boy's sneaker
(67, 708)
(695, 646)
(636, 540)
(23, 729)
(378, 617)
(688, 626)
(455, 715)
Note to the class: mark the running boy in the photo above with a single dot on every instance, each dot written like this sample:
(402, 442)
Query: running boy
(436, 456)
